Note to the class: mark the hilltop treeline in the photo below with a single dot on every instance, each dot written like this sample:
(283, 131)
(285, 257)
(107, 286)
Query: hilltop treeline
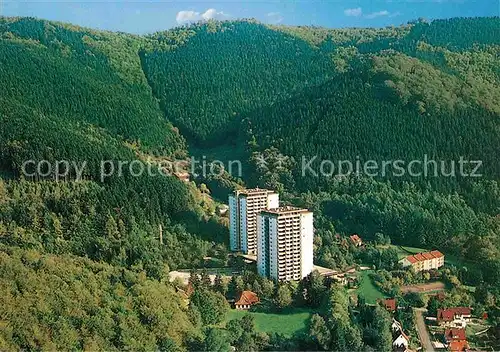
(65, 72)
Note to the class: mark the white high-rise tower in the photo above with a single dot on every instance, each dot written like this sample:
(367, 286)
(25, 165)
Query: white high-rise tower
(285, 243)
(244, 205)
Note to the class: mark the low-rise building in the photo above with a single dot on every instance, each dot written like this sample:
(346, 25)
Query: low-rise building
(400, 341)
(246, 300)
(356, 240)
(458, 346)
(424, 261)
(454, 317)
(390, 304)
(456, 340)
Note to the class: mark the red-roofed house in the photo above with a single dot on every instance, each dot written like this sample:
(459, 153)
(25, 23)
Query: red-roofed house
(424, 261)
(390, 304)
(458, 346)
(454, 335)
(246, 300)
(454, 317)
(356, 240)
(456, 339)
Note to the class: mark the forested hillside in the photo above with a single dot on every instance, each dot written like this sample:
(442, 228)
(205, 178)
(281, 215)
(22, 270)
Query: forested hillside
(68, 303)
(64, 72)
(79, 95)
(226, 70)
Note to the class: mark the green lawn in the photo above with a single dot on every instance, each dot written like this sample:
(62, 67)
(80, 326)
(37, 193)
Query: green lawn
(367, 289)
(286, 323)
(473, 328)
(404, 251)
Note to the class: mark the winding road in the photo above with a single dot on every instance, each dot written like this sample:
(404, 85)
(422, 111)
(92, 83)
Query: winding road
(423, 333)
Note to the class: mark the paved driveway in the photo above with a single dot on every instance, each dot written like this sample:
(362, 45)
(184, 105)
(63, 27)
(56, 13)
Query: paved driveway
(423, 333)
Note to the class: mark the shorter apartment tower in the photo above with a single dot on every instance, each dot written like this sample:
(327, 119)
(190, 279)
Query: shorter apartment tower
(244, 205)
(285, 240)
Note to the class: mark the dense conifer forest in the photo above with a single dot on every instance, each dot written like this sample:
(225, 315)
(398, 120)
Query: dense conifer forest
(81, 261)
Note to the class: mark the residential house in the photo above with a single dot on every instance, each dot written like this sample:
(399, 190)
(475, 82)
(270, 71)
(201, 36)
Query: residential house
(356, 240)
(458, 346)
(456, 340)
(454, 335)
(424, 261)
(246, 300)
(454, 317)
(390, 304)
(396, 326)
(400, 340)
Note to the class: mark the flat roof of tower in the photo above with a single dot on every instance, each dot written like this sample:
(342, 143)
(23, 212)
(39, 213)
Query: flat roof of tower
(251, 191)
(285, 210)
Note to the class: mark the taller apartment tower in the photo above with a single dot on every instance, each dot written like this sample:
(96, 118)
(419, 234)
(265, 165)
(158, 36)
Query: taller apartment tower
(285, 240)
(244, 205)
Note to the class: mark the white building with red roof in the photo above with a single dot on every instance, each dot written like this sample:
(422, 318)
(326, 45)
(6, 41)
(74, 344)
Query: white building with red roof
(400, 341)
(454, 317)
(424, 261)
